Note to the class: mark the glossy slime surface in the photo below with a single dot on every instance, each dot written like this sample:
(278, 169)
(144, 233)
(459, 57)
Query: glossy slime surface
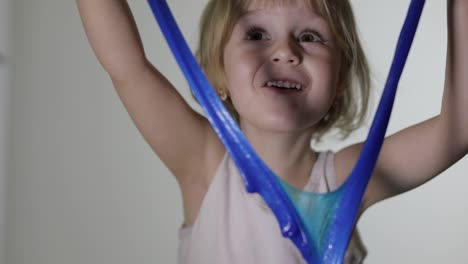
(320, 225)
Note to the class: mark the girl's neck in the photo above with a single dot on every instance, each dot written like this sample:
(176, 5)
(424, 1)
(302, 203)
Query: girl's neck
(288, 154)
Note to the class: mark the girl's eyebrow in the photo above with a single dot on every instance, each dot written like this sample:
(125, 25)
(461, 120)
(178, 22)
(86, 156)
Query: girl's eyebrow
(255, 13)
(254, 17)
(249, 13)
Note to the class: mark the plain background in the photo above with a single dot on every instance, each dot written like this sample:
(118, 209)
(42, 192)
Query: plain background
(4, 115)
(82, 186)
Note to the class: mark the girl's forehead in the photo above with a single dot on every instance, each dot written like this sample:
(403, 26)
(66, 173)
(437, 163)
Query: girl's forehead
(303, 9)
(251, 5)
(307, 7)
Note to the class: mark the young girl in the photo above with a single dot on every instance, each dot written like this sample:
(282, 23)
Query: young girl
(289, 71)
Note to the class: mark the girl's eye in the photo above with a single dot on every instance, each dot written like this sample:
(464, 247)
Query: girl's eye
(258, 34)
(255, 34)
(310, 36)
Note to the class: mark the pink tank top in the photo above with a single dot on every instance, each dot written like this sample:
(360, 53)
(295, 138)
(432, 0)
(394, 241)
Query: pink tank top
(235, 227)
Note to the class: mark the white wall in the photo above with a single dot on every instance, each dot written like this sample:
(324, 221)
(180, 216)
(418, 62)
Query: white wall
(427, 225)
(4, 115)
(86, 188)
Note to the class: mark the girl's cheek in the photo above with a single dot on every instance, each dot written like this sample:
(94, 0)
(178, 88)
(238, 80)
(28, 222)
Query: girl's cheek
(323, 56)
(317, 50)
(249, 54)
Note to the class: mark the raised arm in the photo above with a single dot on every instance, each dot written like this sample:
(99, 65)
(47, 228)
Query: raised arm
(181, 137)
(417, 154)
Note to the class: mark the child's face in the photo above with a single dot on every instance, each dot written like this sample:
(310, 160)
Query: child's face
(284, 43)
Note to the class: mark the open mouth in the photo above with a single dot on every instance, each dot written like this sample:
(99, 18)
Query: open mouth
(285, 86)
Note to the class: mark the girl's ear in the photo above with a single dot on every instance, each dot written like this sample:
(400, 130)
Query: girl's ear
(224, 91)
(223, 94)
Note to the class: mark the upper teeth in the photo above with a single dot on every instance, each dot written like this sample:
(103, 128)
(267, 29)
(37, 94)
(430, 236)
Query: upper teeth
(285, 84)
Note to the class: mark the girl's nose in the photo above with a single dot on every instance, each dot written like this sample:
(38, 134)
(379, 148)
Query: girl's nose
(287, 53)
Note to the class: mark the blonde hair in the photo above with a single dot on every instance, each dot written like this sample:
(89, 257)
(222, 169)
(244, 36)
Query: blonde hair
(349, 109)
